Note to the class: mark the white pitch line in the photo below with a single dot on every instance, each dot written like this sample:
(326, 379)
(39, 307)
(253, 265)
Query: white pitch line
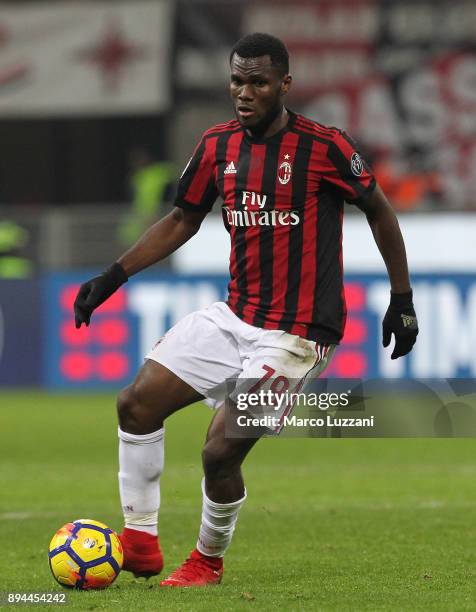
(23, 516)
(428, 504)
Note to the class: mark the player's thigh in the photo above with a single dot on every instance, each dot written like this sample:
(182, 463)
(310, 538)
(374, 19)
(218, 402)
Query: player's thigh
(283, 356)
(282, 364)
(155, 394)
(201, 350)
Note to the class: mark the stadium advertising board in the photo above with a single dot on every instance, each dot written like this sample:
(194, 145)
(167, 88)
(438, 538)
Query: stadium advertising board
(109, 352)
(20, 333)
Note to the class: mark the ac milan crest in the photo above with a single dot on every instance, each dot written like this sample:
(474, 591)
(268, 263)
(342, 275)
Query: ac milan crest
(284, 173)
(356, 164)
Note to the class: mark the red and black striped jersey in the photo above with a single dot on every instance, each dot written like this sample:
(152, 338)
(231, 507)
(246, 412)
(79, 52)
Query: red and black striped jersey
(283, 202)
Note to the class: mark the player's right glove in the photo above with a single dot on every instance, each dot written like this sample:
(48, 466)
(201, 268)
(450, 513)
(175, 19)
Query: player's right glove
(94, 292)
(400, 319)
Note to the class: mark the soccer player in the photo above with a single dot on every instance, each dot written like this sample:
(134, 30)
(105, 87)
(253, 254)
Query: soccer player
(283, 180)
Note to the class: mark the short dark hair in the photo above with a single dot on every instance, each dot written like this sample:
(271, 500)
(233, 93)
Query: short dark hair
(258, 44)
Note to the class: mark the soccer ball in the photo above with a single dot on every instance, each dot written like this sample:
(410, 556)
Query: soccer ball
(85, 554)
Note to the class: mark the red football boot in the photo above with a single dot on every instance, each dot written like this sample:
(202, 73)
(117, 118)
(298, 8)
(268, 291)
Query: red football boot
(198, 570)
(142, 554)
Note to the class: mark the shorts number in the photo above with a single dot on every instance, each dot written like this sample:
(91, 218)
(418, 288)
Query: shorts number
(279, 385)
(269, 372)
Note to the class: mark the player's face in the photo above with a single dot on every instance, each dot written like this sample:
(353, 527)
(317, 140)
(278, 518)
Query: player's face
(257, 90)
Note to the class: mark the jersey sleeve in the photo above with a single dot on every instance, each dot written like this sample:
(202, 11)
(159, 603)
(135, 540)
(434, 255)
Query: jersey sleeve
(347, 170)
(197, 188)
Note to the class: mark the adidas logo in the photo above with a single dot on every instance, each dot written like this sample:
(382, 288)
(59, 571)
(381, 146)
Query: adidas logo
(230, 169)
(409, 321)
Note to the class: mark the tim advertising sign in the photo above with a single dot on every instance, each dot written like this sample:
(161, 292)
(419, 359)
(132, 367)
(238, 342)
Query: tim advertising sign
(109, 352)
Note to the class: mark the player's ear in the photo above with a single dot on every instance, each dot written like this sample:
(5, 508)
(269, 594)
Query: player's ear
(286, 84)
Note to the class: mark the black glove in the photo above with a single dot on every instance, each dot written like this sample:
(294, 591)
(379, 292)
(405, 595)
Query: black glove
(400, 319)
(94, 292)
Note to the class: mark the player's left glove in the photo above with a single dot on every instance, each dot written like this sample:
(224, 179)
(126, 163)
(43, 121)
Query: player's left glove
(400, 319)
(94, 292)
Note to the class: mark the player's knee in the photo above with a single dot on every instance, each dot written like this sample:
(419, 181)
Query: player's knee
(125, 407)
(134, 416)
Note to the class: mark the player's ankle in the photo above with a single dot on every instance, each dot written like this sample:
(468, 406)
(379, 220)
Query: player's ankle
(139, 537)
(214, 562)
(147, 529)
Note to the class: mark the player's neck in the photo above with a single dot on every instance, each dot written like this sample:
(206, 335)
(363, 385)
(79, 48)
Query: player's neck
(278, 123)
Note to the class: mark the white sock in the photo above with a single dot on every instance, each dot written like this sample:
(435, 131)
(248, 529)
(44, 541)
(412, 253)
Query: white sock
(218, 525)
(141, 461)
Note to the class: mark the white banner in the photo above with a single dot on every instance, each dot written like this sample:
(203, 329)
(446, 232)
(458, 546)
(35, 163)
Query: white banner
(85, 58)
(435, 243)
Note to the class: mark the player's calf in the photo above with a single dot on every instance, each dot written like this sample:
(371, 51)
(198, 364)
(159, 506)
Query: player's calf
(222, 458)
(222, 469)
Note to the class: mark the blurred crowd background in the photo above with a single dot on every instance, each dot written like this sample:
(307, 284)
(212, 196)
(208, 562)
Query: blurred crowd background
(103, 102)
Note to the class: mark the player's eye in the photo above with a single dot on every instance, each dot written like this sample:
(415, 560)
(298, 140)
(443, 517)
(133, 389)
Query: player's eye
(236, 80)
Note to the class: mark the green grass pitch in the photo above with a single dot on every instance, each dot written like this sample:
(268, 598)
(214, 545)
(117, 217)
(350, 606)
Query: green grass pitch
(328, 524)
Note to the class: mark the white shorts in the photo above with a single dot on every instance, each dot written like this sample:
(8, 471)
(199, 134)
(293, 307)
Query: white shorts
(209, 346)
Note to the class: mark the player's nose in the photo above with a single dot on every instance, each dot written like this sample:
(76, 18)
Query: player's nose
(246, 93)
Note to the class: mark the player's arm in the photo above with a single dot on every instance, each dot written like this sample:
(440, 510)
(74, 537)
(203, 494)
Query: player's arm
(388, 237)
(400, 318)
(197, 191)
(347, 171)
(157, 243)
(161, 240)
